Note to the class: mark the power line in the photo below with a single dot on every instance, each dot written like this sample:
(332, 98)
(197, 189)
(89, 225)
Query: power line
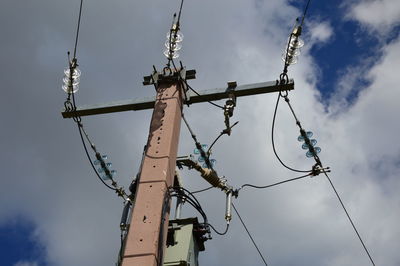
(202, 190)
(305, 12)
(90, 160)
(273, 141)
(248, 233)
(275, 184)
(78, 28)
(217, 232)
(351, 221)
(198, 94)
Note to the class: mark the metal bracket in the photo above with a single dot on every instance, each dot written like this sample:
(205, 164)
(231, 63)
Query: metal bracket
(168, 75)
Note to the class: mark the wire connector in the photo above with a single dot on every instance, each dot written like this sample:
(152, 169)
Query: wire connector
(317, 169)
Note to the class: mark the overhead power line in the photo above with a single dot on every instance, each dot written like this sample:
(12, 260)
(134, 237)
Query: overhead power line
(78, 28)
(249, 234)
(276, 184)
(351, 221)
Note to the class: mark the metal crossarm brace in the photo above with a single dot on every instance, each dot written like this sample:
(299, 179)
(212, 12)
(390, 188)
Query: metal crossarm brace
(204, 96)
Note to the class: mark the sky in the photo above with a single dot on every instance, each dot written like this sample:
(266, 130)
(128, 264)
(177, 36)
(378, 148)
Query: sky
(53, 210)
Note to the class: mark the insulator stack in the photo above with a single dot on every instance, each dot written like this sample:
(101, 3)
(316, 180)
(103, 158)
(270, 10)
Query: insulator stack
(201, 159)
(309, 144)
(292, 51)
(173, 43)
(104, 168)
(71, 82)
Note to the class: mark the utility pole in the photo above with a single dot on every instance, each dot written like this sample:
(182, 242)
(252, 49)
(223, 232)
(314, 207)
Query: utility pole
(147, 232)
(149, 223)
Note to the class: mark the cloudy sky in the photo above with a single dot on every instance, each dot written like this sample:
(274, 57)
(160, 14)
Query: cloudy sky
(53, 210)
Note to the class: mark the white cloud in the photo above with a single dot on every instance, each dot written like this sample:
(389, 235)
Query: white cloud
(49, 180)
(320, 32)
(379, 15)
(26, 263)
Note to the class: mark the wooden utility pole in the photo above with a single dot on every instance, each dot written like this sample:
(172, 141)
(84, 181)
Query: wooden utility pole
(147, 232)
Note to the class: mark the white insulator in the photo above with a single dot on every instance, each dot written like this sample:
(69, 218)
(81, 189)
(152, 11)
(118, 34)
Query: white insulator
(296, 42)
(290, 60)
(176, 37)
(71, 84)
(172, 44)
(171, 54)
(293, 51)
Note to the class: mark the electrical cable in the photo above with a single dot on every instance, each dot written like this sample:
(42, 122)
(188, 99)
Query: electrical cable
(164, 211)
(198, 94)
(78, 28)
(248, 233)
(191, 88)
(348, 216)
(219, 233)
(275, 184)
(333, 187)
(198, 145)
(91, 163)
(273, 142)
(220, 135)
(180, 11)
(305, 12)
(193, 204)
(190, 194)
(202, 190)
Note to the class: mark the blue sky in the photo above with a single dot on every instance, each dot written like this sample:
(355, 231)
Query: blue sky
(53, 211)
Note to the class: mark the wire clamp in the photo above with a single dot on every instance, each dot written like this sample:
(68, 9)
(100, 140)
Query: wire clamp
(317, 169)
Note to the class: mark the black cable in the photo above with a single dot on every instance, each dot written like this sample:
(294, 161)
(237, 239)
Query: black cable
(191, 88)
(275, 184)
(248, 233)
(189, 193)
(217, 232)
(273, 141)
(202, 190)
(198, 94)
(90, 160)
(198, 145)
(191, 202)
(305, 12)
(180, 11)
(121, 251)
(78, 28)
(220, 135)
(348, 216)
(164, 210)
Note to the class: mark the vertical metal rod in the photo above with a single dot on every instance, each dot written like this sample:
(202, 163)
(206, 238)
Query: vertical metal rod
(228, 208)
(178, 208)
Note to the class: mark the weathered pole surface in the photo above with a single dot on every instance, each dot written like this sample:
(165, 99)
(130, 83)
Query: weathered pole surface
(149, 224)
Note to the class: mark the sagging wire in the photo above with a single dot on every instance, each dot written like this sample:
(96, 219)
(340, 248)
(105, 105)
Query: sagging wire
(313, 152)
(349, 218)
(202, 190)
(71, 84)
(188, 196)
(249, 234)
(289, 58)
(316, 171)
(273, 141)
(294, 44)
